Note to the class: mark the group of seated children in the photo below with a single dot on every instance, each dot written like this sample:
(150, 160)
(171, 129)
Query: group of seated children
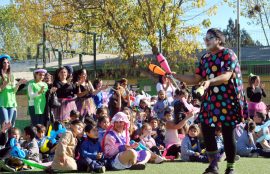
(127, 140)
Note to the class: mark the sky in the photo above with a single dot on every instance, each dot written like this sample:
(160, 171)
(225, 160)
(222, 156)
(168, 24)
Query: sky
(220, 20)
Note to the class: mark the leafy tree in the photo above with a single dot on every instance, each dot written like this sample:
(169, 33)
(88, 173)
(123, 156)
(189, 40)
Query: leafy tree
(231, 36)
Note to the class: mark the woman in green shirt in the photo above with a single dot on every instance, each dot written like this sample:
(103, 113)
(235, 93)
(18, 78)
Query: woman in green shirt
(37, 97)
(8, 89)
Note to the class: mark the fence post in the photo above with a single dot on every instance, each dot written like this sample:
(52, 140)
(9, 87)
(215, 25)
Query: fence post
(36, 66)
(95, 54)
(81, 61)
(44, 45)
(59, 58)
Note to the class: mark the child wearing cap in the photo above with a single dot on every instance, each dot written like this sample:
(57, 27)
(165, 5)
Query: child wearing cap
(117, 147)
(37, 97)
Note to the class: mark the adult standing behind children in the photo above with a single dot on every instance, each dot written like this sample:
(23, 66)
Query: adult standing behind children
(223, 100)
(8, 89)
(66, 93)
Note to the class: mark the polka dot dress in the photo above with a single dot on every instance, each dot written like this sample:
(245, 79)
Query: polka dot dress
(223, 104)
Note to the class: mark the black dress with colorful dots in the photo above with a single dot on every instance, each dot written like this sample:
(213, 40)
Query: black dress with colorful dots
(223, 104)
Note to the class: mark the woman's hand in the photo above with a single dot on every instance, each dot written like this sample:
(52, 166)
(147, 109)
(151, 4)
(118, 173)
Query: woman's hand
(41, 90)
(5, 126)
(205, 84)
(53, 89)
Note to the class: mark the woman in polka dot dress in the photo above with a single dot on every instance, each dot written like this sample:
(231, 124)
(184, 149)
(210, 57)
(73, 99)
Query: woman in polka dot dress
(223, 100)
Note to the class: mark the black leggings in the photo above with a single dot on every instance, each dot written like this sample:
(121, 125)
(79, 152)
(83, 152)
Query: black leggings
(228, 137)
(173, 150)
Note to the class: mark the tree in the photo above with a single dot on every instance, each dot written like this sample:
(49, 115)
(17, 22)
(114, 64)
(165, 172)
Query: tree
(258, 11)
(11, 38)
(124, 26)
(231, 36)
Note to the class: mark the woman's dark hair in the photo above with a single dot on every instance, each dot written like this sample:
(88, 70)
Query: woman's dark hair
(1, 67)
(76, 75)
(29, 130)
(96, 82)
(253, 79)
(56, 76)
(218, 34)
(160, 79)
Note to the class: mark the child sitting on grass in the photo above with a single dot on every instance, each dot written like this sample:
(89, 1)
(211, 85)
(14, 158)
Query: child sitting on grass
(263, 143)
(246, 146)
(30, 146)
(40, 135)
(91, 156)
(190, 147)
(117, 147)
(172, 141)
(150, 144)
(158, 132)
(65, 150)
(6, 135)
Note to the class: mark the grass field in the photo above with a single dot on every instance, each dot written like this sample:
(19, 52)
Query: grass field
(243, 166)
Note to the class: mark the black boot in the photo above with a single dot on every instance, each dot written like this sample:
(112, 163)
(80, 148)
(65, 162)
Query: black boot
(229, 171)
(211, 170)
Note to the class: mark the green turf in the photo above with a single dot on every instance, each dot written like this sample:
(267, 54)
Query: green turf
(244, 166)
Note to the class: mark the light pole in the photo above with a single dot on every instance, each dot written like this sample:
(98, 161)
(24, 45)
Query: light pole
(238, 32)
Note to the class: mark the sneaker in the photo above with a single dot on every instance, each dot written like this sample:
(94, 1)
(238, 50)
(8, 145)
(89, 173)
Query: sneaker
(159, 160)
(137, 167)
(211, 170)
(5, 167)
(229, 171)
(237, 158)
(101, 170)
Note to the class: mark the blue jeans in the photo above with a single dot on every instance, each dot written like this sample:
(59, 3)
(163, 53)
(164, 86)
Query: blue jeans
(8, 115)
